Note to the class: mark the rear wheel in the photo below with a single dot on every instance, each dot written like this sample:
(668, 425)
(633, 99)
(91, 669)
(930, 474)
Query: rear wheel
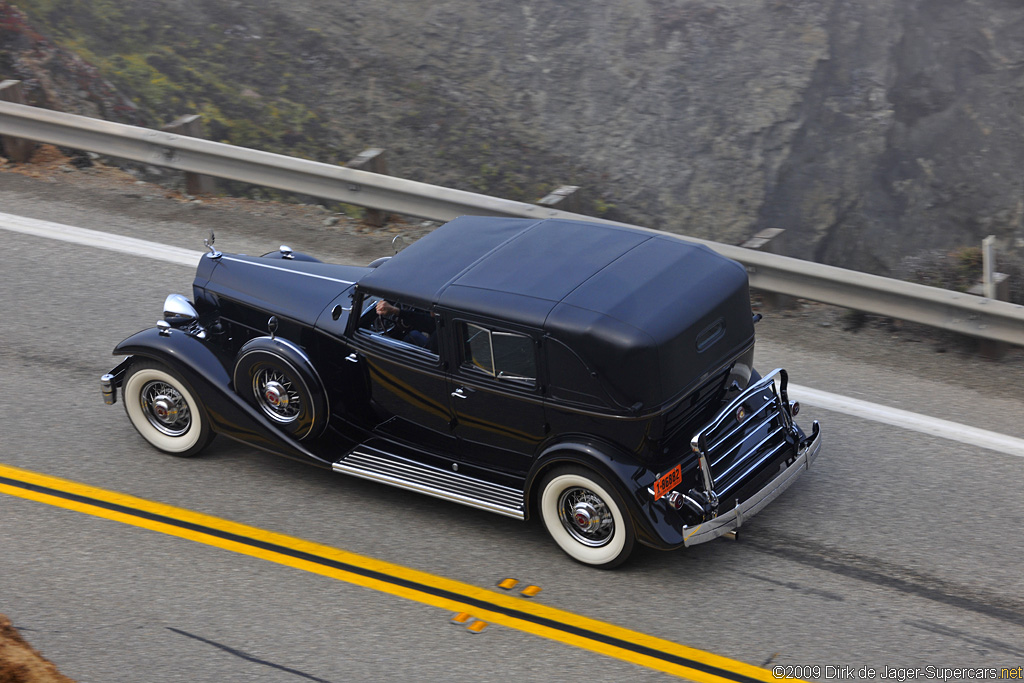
(586, 517)
(164, 410)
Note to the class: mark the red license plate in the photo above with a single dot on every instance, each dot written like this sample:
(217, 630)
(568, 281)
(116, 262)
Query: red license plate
(668, 481)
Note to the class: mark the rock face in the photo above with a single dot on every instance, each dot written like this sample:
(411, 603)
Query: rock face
(20, 662)
(871, 130)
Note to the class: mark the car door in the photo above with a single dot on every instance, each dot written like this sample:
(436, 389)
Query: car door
(409, 388)
(496, 395)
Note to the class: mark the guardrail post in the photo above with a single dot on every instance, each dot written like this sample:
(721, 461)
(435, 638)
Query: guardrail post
(17, 150)
(769, 241)
(565, 198)
(993, 286)
(372, 160)
(191, 126)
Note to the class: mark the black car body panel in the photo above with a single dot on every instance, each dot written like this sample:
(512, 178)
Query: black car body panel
(519, 357)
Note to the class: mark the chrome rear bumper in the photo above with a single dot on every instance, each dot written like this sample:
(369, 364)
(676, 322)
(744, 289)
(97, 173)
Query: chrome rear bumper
(733, 519)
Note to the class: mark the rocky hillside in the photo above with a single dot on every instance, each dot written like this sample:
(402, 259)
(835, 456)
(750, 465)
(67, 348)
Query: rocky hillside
(873, 131)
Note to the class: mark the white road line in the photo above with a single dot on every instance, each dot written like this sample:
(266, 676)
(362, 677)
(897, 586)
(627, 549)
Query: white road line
(933, 426)
(953, 431)
(100, 240)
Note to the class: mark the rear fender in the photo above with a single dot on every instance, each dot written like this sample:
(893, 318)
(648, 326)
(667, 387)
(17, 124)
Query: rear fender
(649, 522)
(206, 370)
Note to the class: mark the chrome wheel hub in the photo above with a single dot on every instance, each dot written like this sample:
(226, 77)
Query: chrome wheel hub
(165, 408)
(585, 516)
(276, 395)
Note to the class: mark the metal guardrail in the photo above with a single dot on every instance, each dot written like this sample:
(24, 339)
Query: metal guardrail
(954, 311)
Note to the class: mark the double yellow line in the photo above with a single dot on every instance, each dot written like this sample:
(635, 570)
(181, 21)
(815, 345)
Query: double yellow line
(454, 596)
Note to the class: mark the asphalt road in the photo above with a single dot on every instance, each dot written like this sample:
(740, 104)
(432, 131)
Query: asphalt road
(901, 549)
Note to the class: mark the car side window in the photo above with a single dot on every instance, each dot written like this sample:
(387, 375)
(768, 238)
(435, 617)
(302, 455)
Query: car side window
(508, 356)
(399, 326)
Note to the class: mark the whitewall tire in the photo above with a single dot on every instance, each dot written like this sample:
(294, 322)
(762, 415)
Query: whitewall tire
(164, 410)
(586, 517)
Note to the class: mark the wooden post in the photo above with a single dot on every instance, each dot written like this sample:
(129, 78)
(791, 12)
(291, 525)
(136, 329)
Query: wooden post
(15, 149)
(769, 241)
(993, 285)
(192, 126)
(565, 198)
(372, 160)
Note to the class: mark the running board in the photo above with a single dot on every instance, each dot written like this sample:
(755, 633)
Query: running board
(376, 465)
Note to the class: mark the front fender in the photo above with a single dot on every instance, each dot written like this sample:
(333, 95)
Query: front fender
(207, 372)
(651, 524)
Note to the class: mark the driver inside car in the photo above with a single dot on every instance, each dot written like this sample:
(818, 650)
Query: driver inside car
(413, 325)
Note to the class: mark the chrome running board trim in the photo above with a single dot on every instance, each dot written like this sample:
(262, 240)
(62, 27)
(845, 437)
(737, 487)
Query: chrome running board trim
(374, 464)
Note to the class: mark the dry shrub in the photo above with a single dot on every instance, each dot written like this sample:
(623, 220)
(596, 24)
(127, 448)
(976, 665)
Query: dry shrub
(20, 662)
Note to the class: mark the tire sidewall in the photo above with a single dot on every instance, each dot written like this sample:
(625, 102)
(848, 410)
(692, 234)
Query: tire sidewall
(620, 545)
(185, 445)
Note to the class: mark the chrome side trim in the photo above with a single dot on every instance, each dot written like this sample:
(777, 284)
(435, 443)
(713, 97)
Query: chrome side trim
(288, 270)
(733, 519)
(377, 465)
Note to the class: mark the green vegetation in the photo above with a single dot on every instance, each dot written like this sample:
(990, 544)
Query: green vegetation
(252, 89)
(260, 78)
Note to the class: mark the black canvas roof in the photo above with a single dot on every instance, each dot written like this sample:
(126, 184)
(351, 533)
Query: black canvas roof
(497, 254)
(631, 300)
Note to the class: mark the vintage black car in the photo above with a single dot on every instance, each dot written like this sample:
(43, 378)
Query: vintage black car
(600, 377)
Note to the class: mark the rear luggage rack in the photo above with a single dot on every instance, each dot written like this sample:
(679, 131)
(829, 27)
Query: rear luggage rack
(745, 437)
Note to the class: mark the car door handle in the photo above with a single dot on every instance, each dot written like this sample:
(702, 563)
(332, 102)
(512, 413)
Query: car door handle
(352, 358)
(461, 392)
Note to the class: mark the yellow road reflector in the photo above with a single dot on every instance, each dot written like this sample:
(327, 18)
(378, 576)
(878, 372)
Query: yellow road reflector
(461, 618)
(530, 591)
(508, 584)
(477, 626)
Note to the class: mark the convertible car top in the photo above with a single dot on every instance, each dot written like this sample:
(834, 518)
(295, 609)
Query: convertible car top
(641, 306)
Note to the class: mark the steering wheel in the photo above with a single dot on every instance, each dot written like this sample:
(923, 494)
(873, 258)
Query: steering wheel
(384, 324)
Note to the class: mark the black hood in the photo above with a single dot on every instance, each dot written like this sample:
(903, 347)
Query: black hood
(299, 290)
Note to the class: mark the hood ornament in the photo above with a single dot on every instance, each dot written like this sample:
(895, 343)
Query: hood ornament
(208, 243)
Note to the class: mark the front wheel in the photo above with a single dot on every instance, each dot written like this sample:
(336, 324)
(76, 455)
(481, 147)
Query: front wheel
(164, 410)
(586, 517)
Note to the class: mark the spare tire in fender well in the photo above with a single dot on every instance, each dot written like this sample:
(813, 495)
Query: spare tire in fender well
(277, 377)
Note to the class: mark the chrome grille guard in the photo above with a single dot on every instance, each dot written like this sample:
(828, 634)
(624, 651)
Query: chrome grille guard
(730, 448)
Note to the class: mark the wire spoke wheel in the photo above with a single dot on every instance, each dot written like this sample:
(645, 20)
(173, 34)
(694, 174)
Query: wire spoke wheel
(586, 517)
(277, 395)
(164, 410)
(276, 377)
